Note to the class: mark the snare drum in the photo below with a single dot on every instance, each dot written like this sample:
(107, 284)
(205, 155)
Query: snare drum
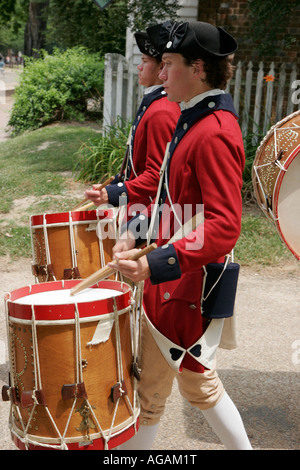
(276, 179)
(71, 245)
(71, 383)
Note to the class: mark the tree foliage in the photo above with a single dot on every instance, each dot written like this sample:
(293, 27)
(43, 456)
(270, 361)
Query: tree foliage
(7, 9)
(270, 19)
(149, 12)
(81, 23)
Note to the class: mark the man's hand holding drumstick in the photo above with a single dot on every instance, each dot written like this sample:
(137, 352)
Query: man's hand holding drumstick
(135, 270)
(96, 195)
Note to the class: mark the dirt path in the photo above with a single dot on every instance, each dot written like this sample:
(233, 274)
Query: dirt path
(261, 375)
(8, 82)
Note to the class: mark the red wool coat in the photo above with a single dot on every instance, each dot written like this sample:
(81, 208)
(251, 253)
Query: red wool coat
(205, 167)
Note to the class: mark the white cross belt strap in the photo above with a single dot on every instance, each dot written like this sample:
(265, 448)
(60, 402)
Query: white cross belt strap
(203, 350)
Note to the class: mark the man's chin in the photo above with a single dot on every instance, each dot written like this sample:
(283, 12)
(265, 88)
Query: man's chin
(170, 98)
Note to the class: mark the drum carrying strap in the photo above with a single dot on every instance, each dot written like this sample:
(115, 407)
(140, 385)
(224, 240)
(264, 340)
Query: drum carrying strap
(203, 350)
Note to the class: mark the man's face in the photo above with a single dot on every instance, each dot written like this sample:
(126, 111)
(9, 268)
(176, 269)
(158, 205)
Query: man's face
(181, 82)
(148, 71)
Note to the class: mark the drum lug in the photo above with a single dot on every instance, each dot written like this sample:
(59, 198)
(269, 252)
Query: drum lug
(35, 270)
(42, 270)
(117, 391)
(71, 273)
(10, 393)
(279, 156)
(135, 370)
(31, 397)
(269, 202)
(5, 393)
(69, 391)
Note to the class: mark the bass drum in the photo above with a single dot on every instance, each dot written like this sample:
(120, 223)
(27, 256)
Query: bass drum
(276, 179)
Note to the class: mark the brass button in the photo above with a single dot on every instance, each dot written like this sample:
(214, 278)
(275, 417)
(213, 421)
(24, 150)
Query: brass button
(193, 306)
(166, 295)
(171, 260)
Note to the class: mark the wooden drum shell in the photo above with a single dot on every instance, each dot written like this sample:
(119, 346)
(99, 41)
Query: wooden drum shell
(71, 245)
(53, 330)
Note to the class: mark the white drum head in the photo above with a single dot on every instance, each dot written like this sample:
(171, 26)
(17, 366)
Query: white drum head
(63, 297)
(288, 210)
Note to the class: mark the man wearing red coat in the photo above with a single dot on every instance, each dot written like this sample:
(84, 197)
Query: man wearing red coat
(203, 175)
(152, 128)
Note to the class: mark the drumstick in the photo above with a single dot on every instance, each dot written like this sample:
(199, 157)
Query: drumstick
(107, 271)
(83, 208)
(106, 182)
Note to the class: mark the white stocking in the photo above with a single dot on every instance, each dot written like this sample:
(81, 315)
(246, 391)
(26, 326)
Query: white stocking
(142, 440)
(227, 423)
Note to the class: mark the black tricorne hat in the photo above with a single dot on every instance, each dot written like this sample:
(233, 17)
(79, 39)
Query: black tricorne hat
(145, 45)
(194, 39)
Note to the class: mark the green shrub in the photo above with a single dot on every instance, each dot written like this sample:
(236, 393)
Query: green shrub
(101, 157)
(56, 87)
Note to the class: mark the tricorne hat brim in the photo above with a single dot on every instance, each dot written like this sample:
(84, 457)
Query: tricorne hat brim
(192, 39)
(145, 45)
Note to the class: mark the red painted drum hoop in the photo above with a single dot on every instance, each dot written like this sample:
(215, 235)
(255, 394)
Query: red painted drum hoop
(97, 444)
(276, 196)
(77, 216)
(66, 311)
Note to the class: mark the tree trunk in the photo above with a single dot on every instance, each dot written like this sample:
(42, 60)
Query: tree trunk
(35, 31)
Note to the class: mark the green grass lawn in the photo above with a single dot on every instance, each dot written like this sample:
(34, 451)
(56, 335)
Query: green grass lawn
(259, 243)
(34, 163)
(39, 166)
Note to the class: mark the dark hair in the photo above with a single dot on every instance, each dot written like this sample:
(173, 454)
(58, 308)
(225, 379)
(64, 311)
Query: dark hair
(218, 70)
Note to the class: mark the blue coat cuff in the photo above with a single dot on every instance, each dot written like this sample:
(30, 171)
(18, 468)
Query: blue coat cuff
(117, 194)
(164, 264)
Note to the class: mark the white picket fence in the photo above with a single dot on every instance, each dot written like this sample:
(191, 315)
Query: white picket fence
(121, 90)
(260, 103)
